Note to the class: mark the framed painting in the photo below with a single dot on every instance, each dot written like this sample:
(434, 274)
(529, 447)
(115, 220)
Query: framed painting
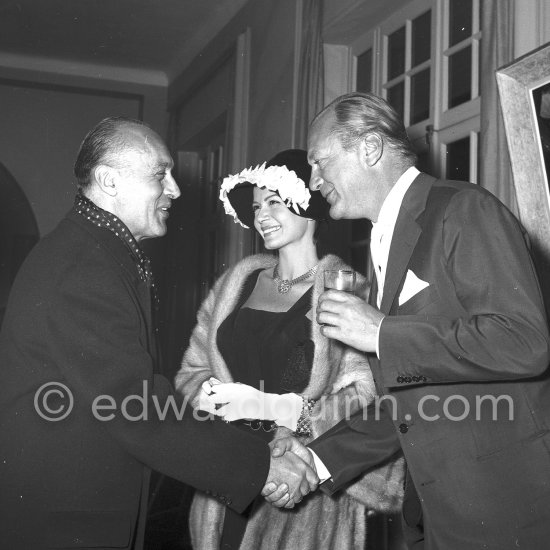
(524, 89)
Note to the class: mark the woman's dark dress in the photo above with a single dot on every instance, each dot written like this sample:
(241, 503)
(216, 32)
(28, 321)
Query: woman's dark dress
(270, 351)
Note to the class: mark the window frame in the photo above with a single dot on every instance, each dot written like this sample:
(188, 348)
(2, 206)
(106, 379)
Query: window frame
(431, 134)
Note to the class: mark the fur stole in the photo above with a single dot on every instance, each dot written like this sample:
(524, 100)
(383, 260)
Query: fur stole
(342, 383)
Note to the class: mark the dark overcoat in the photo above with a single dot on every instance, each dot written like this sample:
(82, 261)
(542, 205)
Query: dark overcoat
(79, 317)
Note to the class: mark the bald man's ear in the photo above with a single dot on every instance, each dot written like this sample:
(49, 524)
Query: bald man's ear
(373, 148)
(105, 178)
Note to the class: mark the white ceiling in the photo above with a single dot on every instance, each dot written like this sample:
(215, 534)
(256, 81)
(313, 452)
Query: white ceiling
(149, 41)
(156, 36)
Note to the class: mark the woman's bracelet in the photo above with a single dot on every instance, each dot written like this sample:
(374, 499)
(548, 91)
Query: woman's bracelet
(303, 426)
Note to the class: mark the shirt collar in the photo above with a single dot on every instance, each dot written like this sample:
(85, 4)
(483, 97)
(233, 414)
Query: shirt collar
(392, 203)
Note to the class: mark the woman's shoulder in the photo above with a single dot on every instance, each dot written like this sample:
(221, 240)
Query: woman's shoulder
(331, 261)
(241, 271)
(254, 262)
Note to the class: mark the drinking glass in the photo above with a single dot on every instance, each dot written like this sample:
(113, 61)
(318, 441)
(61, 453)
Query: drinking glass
(340, 279)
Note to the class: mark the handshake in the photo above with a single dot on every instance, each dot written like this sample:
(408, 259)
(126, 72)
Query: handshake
(292, 474)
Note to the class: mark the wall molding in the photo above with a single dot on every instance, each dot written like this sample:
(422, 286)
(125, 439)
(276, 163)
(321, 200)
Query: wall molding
(19, 83)
(54, 66)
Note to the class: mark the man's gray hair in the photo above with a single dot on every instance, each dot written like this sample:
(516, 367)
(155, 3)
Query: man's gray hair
(104, 144)
(360, 114)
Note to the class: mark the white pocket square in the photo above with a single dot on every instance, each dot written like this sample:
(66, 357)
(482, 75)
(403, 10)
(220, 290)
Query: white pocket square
(413, 285)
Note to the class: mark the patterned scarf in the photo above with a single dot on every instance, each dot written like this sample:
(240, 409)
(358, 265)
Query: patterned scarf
(85, 207)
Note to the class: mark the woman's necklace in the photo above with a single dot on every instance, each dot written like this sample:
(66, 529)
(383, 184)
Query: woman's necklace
(284, 285)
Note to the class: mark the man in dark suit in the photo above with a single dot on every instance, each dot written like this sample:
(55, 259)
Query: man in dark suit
(82, 415)
(456, 334)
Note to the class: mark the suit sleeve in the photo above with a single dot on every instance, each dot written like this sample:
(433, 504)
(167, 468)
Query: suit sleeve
(357, 445)
(95, 330)
(502, 334)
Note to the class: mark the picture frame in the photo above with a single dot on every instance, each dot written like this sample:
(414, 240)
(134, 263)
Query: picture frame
(524, 90)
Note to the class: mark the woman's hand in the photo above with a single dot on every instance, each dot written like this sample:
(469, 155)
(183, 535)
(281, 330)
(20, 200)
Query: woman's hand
(234, 401)
(205, 402)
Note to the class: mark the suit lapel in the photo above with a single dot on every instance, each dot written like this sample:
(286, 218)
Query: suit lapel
(405, 236)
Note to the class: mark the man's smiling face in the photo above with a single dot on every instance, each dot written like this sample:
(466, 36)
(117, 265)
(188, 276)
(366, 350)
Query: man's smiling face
(336, 172)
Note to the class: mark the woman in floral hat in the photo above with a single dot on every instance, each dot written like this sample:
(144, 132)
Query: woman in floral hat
(257, 344)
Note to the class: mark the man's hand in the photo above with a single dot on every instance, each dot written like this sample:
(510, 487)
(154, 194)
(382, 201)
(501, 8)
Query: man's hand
(290, 443)
(348, 318)
(276, 491)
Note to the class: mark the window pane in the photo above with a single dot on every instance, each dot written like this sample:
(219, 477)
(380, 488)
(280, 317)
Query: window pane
(420, 96)
(396, 53)
(364, 72)
(396, 98)
(421, 38)
(460, 20)
(460, 77)
(458, 160)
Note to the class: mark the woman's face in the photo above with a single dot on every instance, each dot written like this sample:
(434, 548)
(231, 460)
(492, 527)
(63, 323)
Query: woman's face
(277, 225)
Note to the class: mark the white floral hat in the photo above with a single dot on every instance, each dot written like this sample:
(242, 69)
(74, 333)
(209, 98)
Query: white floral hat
(288, 174)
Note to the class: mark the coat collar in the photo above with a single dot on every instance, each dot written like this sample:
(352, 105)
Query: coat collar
(405, 236)
(109, 241)
(120, 254)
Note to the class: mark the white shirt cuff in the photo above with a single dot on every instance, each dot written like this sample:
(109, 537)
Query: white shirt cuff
(322, 473)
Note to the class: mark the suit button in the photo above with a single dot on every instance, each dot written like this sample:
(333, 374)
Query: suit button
(400, 380)
(416, 379)
(408, 379)
(424, 379)
(403, 428)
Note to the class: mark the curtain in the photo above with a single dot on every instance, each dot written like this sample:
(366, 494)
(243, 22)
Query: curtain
(496, 50)
(311, 70)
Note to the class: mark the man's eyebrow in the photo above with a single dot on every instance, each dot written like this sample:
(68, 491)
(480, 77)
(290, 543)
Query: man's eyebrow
(164, 164)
